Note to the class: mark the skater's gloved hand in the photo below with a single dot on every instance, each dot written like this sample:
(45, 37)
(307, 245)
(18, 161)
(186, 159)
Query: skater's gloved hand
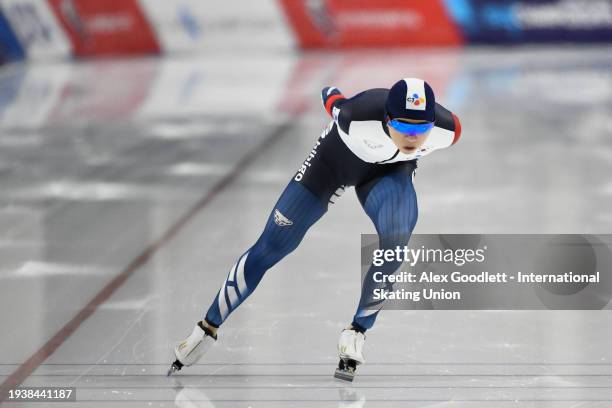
(329, 96)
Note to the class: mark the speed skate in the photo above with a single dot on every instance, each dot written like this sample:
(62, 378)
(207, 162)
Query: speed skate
(190, 350)
(350, 351)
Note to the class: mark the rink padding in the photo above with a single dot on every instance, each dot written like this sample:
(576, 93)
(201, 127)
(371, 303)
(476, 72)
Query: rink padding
(86, 28)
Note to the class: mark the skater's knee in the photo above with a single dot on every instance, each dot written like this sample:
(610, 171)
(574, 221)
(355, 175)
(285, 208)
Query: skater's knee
(268, 250)
(276, 246)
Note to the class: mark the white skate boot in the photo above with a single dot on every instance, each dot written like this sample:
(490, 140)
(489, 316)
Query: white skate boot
(350, 347)
(190, 350)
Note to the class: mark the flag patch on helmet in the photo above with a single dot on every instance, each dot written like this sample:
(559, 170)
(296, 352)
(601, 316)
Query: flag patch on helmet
(415, 94)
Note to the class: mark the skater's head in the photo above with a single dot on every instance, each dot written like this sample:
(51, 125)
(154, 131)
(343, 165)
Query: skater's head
(410, 113)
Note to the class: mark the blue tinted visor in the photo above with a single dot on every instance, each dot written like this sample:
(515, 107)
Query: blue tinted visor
(411, 129)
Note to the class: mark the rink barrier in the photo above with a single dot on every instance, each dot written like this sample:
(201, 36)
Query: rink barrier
(370, 23)
(10, 48)
(340, 24)
(38, 31)
(103, 27)
(88, 28)
(532, 21)
(43, 29)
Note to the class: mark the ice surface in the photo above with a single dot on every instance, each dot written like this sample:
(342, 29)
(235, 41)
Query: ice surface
(92, 173)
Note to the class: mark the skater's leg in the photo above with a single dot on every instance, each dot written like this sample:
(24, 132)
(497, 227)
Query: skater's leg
(391, 203)
(296, 210)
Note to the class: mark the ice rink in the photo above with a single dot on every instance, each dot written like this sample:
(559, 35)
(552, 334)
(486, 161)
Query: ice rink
(130, 186)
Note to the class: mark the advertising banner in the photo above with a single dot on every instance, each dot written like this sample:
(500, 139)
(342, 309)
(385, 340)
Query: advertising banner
(103, 27)
(9, 46)
(515, 21)
(370, 23)
(184, 25)
(37, 29)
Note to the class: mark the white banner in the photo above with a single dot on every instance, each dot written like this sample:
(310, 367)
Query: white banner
(183, 25)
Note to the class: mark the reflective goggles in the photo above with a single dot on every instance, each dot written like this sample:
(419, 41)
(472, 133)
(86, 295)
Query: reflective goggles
(411, 129)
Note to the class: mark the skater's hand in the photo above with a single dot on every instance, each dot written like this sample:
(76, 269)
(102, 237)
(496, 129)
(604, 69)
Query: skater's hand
(329, 96)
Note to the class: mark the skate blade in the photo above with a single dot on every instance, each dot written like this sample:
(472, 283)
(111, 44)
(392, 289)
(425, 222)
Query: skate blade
(176, 366)
(344, 375)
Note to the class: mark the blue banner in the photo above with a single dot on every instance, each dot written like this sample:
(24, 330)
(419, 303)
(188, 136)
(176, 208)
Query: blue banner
(515, 21)
(10, 49)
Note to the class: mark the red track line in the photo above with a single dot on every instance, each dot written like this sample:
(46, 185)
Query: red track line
(36, 359)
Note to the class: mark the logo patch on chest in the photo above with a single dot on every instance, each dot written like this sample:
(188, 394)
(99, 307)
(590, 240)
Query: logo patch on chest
(371, 144)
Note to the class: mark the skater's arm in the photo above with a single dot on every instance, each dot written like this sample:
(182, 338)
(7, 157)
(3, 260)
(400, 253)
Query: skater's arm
(365, 106)
(447, 120)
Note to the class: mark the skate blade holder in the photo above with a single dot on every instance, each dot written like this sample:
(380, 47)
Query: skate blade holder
(344, 375)
(176, 366)
(346, 370)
